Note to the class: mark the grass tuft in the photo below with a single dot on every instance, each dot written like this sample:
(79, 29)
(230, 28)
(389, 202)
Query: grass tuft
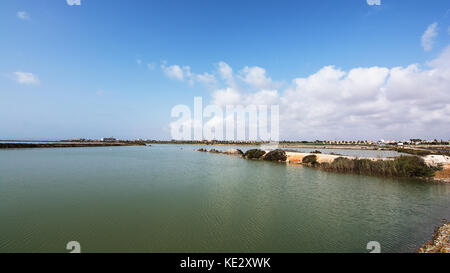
(310, 160)
(276, 155)
(403, 166)
(254, 154)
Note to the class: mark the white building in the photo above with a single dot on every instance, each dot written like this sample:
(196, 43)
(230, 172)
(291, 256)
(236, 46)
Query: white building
(108, 139)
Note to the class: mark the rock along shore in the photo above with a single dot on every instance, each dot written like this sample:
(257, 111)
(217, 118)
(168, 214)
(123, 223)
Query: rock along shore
(440, 242)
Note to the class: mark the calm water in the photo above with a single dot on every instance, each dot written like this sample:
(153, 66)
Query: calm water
(169, 198)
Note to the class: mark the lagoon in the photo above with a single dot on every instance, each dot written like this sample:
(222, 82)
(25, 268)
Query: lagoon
(171, 198)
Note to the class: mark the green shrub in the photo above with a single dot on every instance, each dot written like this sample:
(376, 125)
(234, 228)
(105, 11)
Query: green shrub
(413, 151)
(276, 155)
(254, 154)
(423, 152)
(316, 152)
(414, 166)
(310, 160)
(403, 166)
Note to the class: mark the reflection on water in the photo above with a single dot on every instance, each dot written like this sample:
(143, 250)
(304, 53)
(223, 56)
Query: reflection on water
(170, 198)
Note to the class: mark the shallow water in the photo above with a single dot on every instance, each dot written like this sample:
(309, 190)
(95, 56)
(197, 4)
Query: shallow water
(170, 198)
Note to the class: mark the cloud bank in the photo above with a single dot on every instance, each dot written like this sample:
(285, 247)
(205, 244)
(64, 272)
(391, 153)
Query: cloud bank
(361, 103)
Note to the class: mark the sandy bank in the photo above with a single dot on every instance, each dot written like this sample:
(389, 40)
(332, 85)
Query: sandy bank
(431, 160)
(404, 166)
(296, 158)
(444, 174)
(443, 161)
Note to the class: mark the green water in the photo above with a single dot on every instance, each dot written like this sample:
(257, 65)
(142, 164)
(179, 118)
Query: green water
(169, 198)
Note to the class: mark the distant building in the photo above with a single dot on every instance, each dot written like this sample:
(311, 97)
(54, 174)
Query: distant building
(76, 140)
(361, 142)
(108, 139)
(400, 144)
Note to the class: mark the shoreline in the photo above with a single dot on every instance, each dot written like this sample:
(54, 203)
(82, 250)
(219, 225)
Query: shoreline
(440, 242)
(440, 176)
(439, 165)
(65, 145)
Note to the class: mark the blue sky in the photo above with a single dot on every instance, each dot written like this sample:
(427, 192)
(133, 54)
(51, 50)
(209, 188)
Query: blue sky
(101, 68)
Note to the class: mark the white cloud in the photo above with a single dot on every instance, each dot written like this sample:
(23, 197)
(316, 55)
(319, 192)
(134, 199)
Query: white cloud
(428, 37)
(183, 73)
(371, 102)
(139, 61)
(231, 96)
(225, 72)
(373, 2)
(73, 2)
(360, 103)
(206, 79)
(25, 78)
(173, 71)
(227, 96)
(151, 66)
(23, 15)
(256, 77)
(262, 97)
